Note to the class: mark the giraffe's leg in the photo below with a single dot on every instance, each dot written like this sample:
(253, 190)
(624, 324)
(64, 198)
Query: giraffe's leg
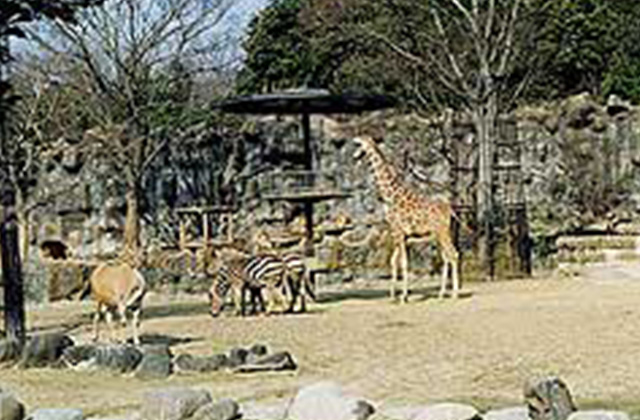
(443, 280)
(454, 272)
(394, 271)
(404, 260)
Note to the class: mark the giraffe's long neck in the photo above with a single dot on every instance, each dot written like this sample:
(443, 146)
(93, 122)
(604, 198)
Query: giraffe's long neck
(387, 180)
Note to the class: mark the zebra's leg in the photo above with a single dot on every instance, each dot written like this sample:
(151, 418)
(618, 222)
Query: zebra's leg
(260, 299)
(96, 320)
(243, 293)
(135, 322)
(122, 313)
(271, 298)
(290, 293)
(238, 299)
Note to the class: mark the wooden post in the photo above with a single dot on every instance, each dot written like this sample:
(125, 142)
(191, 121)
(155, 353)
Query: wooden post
(205, 228)
(308, 205)
(230, 227)
(182, 235)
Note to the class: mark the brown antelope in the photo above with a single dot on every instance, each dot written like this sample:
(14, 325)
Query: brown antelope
(117, 287)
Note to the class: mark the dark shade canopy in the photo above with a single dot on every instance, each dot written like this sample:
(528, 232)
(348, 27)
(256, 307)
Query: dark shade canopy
(306, 101)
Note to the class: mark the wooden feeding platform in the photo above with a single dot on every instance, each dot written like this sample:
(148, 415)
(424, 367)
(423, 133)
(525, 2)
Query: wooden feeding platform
(207, 216)
(306, 102)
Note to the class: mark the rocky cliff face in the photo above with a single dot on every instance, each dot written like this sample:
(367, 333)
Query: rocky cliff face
(575, 165)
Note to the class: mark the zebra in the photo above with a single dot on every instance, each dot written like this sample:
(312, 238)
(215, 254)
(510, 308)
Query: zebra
(281, 277)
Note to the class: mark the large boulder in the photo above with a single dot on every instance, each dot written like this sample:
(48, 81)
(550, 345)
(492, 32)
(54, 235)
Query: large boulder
(447, 411)
(173, 403)
(222, 410)
(190, 363)
(44, 350)
(155, 363)
(510, 413)
(273, 362)
(10, 407)
(119, 358)
(548, 399)
(56, 414)
(598, 415)
(326, 400)
(260, 411)
(237, 357)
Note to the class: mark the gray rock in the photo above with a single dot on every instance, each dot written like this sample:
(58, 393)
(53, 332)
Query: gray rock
(190, 363)
(10, 408)
(598, 415)
(258, 350)
(154, 366)
(120, 358)
(511, 413)
(9, 351)
(159, 349)
(326, 400)
(173, 403)
(447, 411)
(273, 362)
(548, 399)
(261, 411)
(400, 413)
(221, 410)
(56, 414)
(44, 350)
(237, 357)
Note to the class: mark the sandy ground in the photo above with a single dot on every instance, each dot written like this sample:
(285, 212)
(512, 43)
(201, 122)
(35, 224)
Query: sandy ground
(479, 349)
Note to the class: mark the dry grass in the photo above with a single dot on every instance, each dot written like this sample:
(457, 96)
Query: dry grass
(481, 348)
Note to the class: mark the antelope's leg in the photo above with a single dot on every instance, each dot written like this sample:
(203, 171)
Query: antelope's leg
(109, 317)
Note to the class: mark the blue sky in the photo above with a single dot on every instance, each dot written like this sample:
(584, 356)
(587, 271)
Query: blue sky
(244, 10)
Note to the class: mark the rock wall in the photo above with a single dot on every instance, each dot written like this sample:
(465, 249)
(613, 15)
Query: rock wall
(578, 167)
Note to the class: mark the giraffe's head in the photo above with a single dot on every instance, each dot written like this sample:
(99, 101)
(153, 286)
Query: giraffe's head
(364, 145)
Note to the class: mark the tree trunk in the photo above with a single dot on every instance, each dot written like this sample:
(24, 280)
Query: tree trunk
(11, 268)
(484, 119)
(23, 225)
(131, 227)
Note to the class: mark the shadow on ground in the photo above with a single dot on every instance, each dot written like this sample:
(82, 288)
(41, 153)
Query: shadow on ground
(165, 340)
(416, 294)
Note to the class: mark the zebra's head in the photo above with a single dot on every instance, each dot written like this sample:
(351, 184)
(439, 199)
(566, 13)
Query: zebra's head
(218, 291)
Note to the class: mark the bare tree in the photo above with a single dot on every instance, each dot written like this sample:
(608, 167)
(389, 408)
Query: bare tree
(138, 65)
(468, 49)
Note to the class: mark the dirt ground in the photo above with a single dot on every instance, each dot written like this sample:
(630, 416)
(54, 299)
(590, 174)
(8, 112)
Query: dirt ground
(479, 349)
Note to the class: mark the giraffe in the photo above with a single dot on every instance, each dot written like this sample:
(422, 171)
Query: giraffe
(408, 214)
